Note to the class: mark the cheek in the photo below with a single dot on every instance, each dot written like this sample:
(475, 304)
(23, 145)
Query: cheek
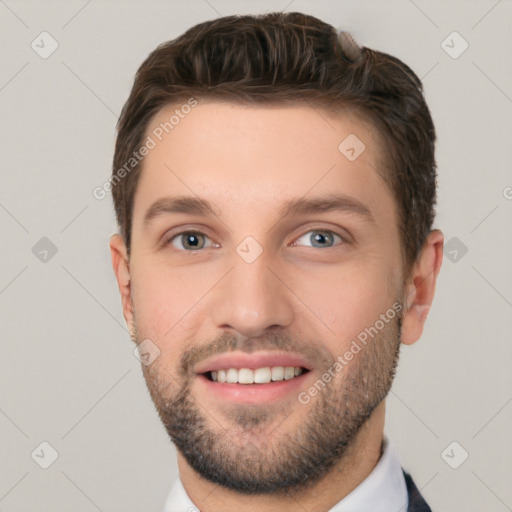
(348, 300)
(167, 300)
(155, 301)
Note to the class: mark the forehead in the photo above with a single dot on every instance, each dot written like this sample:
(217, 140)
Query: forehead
(260, 157)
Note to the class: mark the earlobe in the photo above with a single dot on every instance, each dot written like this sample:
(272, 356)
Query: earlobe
(421, 287)
(121, 267)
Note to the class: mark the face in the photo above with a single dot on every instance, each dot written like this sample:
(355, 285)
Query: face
(261, 252)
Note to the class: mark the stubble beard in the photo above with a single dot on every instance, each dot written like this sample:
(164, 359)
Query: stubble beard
(254, 455)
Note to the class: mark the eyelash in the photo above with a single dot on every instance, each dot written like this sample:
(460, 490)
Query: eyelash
(197, 232)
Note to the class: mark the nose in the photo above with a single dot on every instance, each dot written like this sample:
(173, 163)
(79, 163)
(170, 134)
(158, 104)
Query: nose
(252, 298)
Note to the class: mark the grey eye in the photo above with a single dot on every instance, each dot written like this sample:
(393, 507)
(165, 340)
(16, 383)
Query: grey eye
(189, 240)
(320, 238)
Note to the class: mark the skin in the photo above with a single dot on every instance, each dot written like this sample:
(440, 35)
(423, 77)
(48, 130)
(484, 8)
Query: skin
(247, 161)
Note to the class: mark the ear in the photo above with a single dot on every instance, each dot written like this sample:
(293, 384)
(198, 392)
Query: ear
(121, 266)
(421, 286)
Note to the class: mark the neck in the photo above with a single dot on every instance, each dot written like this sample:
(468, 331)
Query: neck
(360, 459)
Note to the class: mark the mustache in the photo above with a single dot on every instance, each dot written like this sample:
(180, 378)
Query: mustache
(226, 342)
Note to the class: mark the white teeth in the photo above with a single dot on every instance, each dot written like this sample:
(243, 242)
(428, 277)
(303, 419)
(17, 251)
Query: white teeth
(289, 373)
(262, 375)
(245, 376)
(232, 375)
(257, 376)
(277, 373)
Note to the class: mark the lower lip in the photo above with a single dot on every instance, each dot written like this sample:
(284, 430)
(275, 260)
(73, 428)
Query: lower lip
(253, 393)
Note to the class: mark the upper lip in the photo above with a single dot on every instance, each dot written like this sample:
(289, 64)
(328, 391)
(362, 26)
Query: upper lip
(252, 361)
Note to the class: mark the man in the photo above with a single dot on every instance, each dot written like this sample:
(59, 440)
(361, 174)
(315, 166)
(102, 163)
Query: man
(274, 186)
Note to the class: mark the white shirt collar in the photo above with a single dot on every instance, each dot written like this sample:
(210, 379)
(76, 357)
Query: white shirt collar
(383, 490)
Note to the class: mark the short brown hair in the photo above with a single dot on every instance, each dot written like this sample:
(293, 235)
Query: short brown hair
(278, 58)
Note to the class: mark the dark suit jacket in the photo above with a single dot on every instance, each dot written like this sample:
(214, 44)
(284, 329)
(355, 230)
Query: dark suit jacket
(416, 501)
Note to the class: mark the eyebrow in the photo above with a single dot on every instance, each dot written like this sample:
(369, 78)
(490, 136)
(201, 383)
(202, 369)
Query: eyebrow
(181, 204)
(196, 206)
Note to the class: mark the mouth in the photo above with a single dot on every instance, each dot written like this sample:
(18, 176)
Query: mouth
(248, 376)
(255, 378)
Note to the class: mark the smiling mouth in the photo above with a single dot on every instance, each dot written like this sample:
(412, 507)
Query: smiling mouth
(263, 375)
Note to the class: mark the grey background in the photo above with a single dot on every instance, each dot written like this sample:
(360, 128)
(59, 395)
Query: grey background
(67, 372)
